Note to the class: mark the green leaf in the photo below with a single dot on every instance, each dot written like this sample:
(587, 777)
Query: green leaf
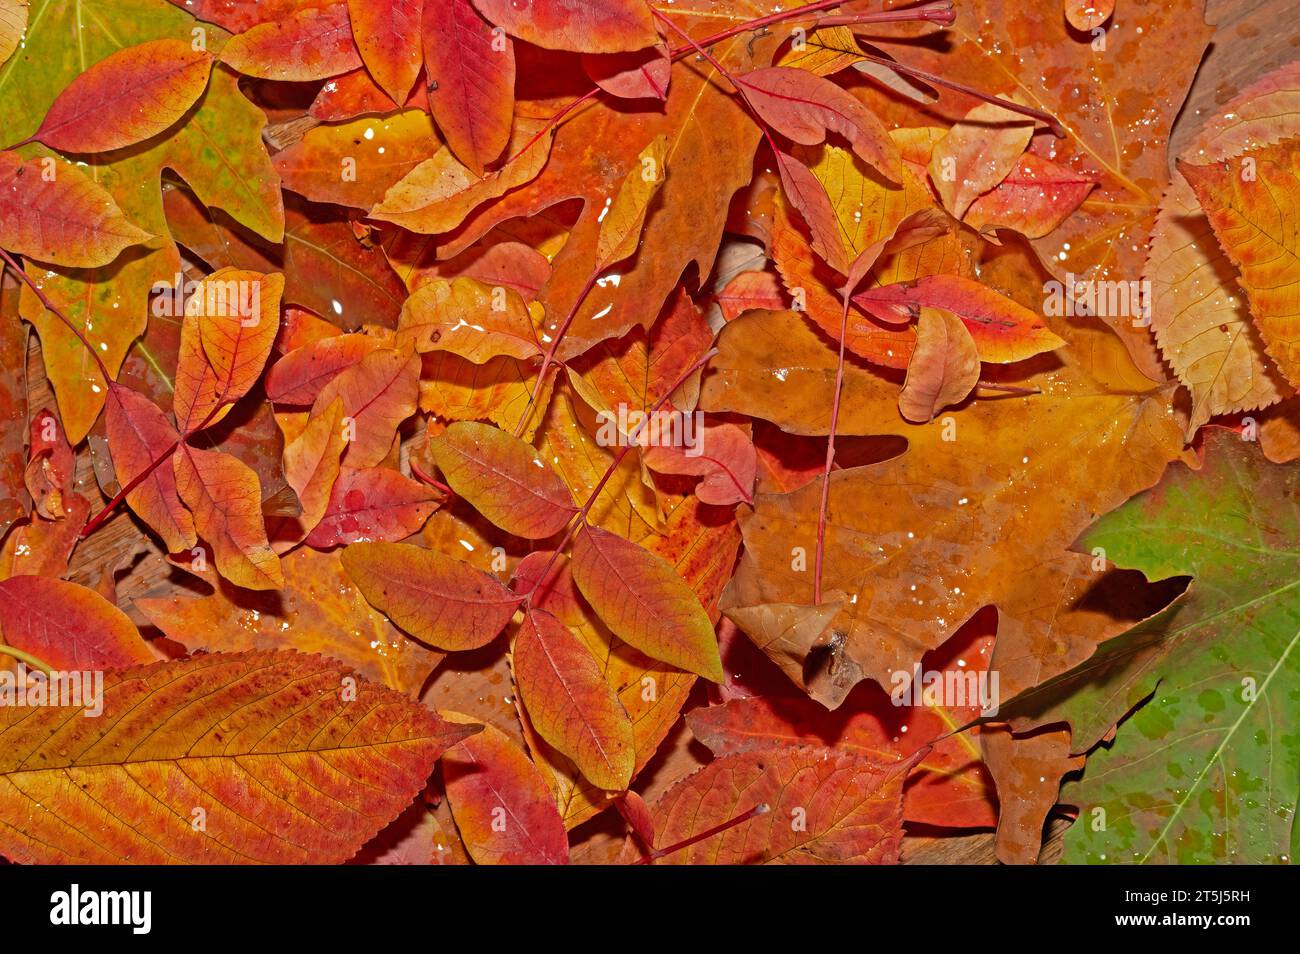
(1208, 769)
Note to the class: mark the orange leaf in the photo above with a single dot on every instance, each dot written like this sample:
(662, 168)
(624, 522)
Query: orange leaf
(127, 97)
(1254, 218)
(440, 192)
(310, 44)
(238, 315)
(138, 434)
(944, 368)
(284, 767)
(724, 456)
(225, 498)
(502, 806)
(67, 626)
(584, 26)
(227, 334)
(355, 163)
(645, 603)
(825, 807)
(387, 32)
(379, 392)
(1004, 330)
(54, 213)
(620, 226)
(806, 108)
(1035, 197)
(311, 463)
(440, 601)
(977, 154)
(470, 319)
(319, 610)
(569, 702)
(504, 479)
(374, 504)
(474, 100)
(298, 377)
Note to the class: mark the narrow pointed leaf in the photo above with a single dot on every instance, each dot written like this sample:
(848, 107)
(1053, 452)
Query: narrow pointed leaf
(127, 97)
(569, 702)
(645, 602)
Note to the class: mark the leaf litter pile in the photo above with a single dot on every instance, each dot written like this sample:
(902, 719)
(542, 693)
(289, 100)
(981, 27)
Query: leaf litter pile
(718, 431)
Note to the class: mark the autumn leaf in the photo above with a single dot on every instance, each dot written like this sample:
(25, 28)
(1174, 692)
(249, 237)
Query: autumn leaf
(644, 602)
(1254, 216)
(387, 33)
(440, 601)
(223, 494)
(469, 319)
(147, 88)
(1003, 330)
(378, 393)
(592, 26)
(823, 807)
(501, 804)
(1194, 287)
(57, 215)
(295, 726)
(299, 376)
(355, 163)
(569, 702)
(945, 366)
(504, 478)
(806, 108)
(473, 94)
(641, 74)
(138, 434)
(977, 154)
(67, 626)
(314, 43)
(372, 504)
(724, 457)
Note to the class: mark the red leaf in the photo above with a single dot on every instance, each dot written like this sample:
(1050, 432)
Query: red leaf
(308, 44)
(502, 805)
(374, 504)
(585, 26)
(474, 99)
(387, 32)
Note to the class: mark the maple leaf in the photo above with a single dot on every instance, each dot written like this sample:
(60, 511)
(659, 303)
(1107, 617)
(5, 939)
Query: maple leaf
(1221, 662)
(1128, 432)
(227, 756)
